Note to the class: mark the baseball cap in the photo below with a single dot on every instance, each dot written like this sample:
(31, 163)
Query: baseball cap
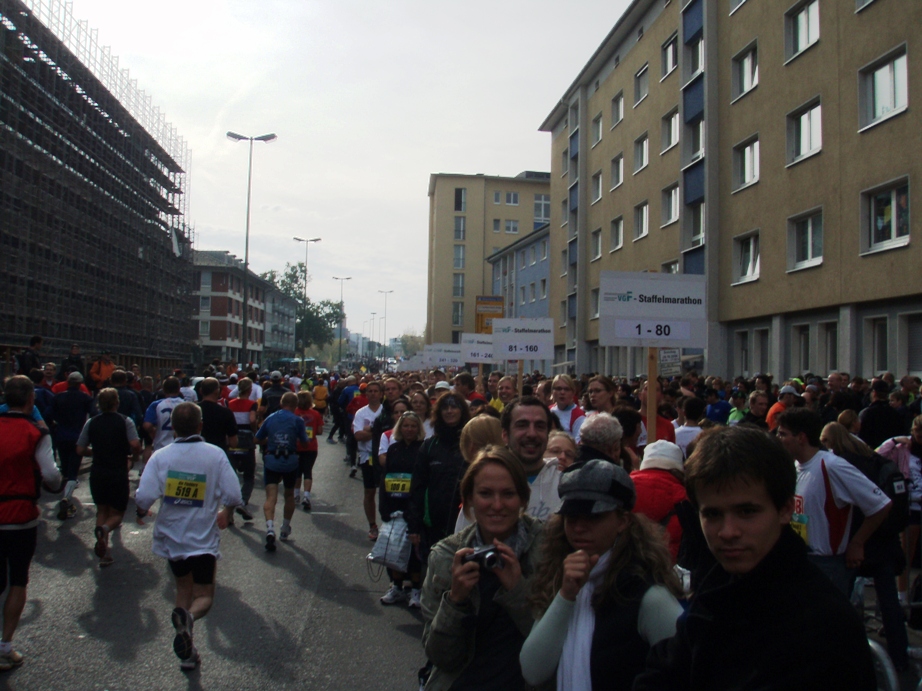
(595, 487)
(275, 376)
(663, 455)
(443, 385)
(788, 389)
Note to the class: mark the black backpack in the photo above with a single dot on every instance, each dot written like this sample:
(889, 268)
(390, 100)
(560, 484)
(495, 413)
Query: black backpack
(887, 476)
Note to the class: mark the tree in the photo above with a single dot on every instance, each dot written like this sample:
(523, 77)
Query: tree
(315, 322)
(411, 343)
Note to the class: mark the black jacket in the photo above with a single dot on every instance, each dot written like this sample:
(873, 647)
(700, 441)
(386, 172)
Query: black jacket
(880, 422)
(401, 460)
(437, 486)
(781, 626)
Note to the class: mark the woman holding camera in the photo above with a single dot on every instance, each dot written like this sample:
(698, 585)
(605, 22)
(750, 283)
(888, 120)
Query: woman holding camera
(475, 595)
(604, 586)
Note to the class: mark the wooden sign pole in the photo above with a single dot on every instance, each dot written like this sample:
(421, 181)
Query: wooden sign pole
(652, 374)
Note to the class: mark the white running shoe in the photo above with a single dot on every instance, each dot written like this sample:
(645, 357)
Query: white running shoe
(394, 595)
(285, 533)
(414, 599)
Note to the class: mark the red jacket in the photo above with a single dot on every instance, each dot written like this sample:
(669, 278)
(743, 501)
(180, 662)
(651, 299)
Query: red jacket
(658, 491)
(19, 472)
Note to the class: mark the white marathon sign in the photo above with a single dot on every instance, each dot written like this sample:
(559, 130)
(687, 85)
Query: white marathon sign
(652, 310)
(528, 339)
(477, 348)
(442, 355)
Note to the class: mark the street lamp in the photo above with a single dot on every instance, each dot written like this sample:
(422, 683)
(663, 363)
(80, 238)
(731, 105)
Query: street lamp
(246, 252)
(307, 244)
(372, 334)
(385, 324)
(341, 312)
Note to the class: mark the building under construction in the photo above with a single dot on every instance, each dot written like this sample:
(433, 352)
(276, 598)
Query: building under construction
(95, 245)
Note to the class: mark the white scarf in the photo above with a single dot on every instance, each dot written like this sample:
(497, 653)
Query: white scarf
(573, 671)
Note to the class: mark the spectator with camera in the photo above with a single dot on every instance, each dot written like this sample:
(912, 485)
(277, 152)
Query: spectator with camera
(604, 586)
(474, 598)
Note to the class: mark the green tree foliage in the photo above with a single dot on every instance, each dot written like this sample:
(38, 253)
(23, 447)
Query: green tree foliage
(411, 342)
(316, 322)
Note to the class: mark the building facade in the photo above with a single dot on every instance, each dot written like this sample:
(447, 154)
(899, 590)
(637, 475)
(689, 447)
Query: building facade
(281, 315)
(761, 144)
(217, 295)
(470, 218)
(96, 249)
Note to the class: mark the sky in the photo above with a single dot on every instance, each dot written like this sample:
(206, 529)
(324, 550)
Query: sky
(367, 99)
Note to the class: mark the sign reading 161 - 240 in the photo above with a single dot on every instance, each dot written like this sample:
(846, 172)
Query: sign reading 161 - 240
(645, 309)
(525, 339)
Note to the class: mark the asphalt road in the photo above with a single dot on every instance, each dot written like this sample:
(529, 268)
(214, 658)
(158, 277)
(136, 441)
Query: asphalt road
(306, 617)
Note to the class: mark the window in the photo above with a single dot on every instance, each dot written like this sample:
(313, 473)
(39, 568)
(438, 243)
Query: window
(596, 187)
(594, 303)
(805, 132)
(563, 262)
(617, 171)
(459, 257)
(497, 197)
(512, 198)
(457, 314)
(887, 217)
(879, 344)
(543, 250)
(670, 55)
(460, 199)
(595, 243)
(641, 220)
(805, 241)
(641, 84)
(746, 256)
(696, 140)
(532, 293)
(457, 286)
(542, 209)
(533, 255)
(745, 75)
(670, 130)
(617, 109)
(543, 289)
(596, 130)
(695, 220)
(564, 161)
(563, 313)
(746, 163)
(641, 153)
(512, 226)
(522, 295)
(460, 228)
(802, 28)
(564, 213)
(497, 225)
(884, 89)
(522, 257)
(205, 304)
(616, 234)
(206, 280)
(670, 267)
(695, 53)
(204, 329)
(670, 204)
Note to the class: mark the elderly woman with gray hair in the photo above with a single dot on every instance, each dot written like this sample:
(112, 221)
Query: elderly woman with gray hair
(600, 438)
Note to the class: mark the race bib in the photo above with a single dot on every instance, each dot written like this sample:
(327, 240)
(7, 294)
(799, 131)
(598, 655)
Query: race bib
(799, 524)
(397, 485)
(184, 489)
(310, 433)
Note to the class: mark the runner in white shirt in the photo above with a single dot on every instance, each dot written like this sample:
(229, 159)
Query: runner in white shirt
(194, 479)
(157, 416)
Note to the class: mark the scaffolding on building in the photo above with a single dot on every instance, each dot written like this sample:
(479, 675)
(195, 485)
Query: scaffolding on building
(93, 197)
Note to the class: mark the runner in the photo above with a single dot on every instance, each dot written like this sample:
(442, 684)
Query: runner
(243, 455)
(193, 479)
(307, 453)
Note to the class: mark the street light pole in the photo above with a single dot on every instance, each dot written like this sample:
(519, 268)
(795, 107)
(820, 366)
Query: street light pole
(341, 312)
(371, 342)
(307, 243)
(384, 349)
(246, 252)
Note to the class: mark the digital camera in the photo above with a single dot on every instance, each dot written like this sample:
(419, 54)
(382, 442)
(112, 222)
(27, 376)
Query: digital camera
(488, 557)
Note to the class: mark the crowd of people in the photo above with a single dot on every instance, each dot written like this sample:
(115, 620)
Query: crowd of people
(560, 538)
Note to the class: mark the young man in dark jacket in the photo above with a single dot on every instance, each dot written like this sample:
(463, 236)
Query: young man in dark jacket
(764, 617)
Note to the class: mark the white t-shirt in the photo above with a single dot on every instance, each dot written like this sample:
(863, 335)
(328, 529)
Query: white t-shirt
(194, 479)
(385, 442)
(571, 419)
(256, 393)
(364, 418)
(158, 414)
(684, 434)
(828, 527)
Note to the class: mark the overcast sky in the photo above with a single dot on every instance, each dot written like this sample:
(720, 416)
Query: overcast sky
(367, 99)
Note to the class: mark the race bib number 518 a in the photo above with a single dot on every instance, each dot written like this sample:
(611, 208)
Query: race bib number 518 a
(184, 489)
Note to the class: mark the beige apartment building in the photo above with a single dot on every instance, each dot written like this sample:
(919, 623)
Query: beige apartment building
(470, 218)
(767, 145)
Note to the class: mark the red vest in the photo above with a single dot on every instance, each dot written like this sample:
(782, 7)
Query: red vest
(20, 476)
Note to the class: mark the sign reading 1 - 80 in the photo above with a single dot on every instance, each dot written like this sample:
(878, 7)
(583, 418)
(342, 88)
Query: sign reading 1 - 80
(652, 328)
